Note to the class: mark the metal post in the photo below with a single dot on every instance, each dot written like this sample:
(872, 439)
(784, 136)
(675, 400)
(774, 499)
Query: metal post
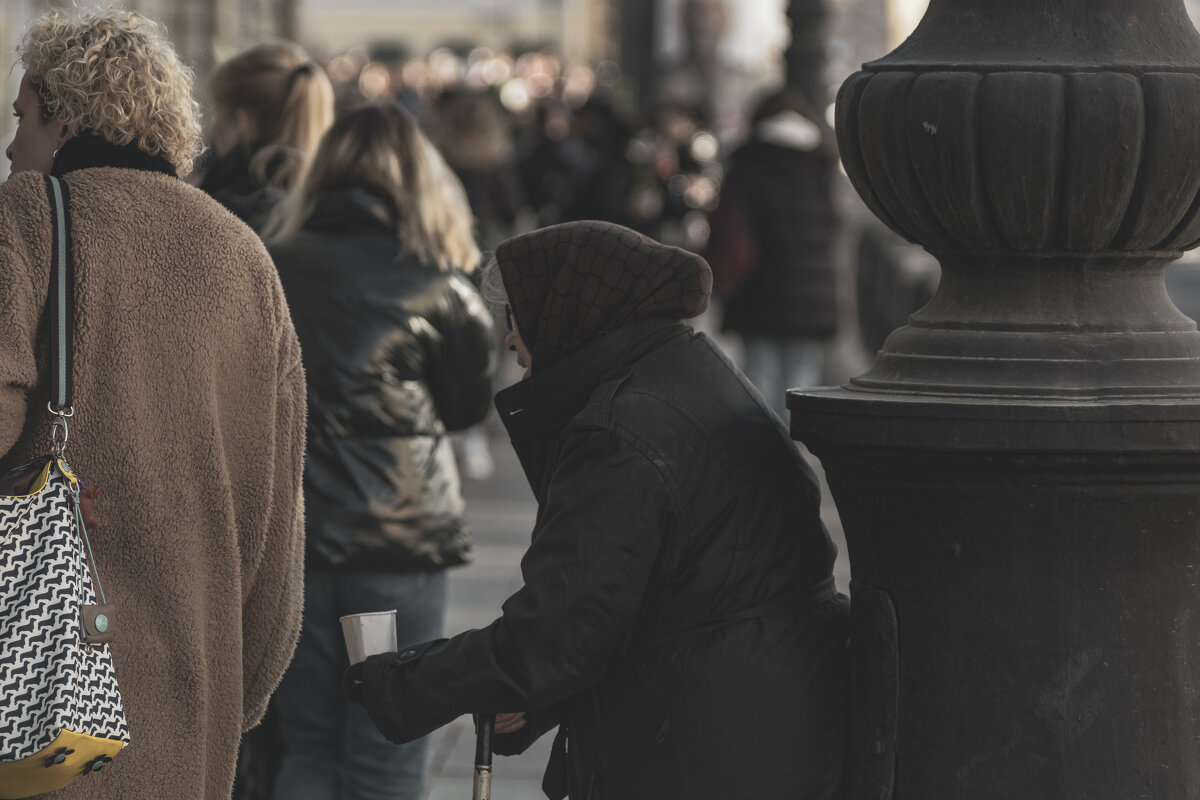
(805, 56)
(1019, 473)
(638, 42)
(288, 19)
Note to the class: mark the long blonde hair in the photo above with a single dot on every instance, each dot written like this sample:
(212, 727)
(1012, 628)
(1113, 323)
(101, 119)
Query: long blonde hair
(379, 147)
(288, 97)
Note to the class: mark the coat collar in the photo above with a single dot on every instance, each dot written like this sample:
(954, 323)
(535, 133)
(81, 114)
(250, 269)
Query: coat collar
(535, 410)
(350, 210)
(87, 150)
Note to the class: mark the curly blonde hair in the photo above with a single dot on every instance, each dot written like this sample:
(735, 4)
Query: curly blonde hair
(115, 75)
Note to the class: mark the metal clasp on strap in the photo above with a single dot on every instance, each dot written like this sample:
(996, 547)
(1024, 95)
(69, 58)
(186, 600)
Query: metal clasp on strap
(60, 431)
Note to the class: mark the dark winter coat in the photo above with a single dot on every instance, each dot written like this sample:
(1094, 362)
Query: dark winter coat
(234, 183)
(397, 352)
(771, 240)
(678, 617)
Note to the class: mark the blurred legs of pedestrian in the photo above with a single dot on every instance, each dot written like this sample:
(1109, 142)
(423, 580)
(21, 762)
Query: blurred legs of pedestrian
(332, 751)
(776, 365)
(473, 452)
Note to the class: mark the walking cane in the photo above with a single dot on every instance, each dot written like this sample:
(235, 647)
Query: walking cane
(483, 758)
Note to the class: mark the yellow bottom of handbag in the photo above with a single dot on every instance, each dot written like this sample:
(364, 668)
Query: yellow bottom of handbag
(70, 756)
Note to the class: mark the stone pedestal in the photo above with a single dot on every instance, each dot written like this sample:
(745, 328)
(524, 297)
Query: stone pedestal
(1019, 473)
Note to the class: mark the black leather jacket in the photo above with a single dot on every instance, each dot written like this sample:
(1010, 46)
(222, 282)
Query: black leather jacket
(397, 352)
(251, 197)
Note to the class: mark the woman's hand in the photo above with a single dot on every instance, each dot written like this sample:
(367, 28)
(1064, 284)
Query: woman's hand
(509, 723)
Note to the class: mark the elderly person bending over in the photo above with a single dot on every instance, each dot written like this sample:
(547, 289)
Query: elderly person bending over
(678, 621)
(188, 390)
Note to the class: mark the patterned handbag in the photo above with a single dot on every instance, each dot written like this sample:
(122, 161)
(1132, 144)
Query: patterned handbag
(60, 710)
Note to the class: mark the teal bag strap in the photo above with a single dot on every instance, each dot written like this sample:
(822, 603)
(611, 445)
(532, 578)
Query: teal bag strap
(62, 296)
(62, 326)
(61, 310)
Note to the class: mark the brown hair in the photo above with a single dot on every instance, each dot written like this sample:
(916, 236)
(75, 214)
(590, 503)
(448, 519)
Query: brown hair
(378, 146)
(288, 97)
(471, 130)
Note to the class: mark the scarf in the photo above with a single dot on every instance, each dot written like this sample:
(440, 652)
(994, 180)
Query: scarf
(86, 150)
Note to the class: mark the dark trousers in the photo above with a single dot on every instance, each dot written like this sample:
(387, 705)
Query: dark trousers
(331, 750)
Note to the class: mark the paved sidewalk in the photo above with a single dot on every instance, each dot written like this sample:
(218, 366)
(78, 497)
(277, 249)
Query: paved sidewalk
(501, 510)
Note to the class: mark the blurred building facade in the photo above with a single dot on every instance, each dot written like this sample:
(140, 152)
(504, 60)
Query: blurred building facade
(582, 30)
(637, 34)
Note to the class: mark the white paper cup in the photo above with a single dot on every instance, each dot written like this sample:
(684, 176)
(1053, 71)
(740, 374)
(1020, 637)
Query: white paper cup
(369, 634)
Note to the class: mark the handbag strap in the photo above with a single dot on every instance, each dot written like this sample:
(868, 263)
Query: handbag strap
(62, 296)
(62, 325)
(61, 309)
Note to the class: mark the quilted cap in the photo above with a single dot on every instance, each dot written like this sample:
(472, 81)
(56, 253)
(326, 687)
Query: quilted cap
(567, 284)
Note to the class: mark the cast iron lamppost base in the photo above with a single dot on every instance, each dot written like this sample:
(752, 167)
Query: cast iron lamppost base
(1019, 473)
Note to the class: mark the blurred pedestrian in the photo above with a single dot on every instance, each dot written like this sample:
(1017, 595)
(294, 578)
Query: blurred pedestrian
(609, 184)
(676, 176)
(473, 134)
(189, 392)
(371, 249)
(272, 104)
(678, 621)
(769, 247)
(553, 163)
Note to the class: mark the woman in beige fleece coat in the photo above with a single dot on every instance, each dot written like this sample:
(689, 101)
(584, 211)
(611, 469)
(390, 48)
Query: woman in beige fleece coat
(189, 398)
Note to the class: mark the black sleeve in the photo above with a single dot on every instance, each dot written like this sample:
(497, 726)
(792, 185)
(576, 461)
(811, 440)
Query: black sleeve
(537, 724)
(585, 574)
(460, 355)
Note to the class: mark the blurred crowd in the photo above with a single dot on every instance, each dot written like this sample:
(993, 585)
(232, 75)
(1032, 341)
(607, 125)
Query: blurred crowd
(537, 142)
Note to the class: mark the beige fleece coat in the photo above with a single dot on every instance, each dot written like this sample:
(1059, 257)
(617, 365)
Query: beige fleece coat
(189, 400)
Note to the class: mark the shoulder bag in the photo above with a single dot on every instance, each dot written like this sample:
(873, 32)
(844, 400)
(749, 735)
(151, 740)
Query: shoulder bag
(61, 716)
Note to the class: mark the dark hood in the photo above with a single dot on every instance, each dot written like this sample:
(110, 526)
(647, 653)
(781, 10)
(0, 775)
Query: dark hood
(568, 284)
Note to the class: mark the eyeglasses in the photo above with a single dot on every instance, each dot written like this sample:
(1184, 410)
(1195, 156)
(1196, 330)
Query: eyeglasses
(508, 317)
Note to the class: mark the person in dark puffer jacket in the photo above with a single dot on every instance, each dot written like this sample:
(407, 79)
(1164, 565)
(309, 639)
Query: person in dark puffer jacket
(397, 345)
(678, 622)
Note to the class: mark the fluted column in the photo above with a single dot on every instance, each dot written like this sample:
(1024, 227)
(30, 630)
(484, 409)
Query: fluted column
(1019, 472)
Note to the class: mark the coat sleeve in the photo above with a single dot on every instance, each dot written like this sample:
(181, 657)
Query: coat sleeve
(24, 282)
(19, 314)
(586, 573)
(273, 574)
(461, 357)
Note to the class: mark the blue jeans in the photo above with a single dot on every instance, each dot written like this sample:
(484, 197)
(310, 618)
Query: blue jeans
(332, 751)
(776, 365)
